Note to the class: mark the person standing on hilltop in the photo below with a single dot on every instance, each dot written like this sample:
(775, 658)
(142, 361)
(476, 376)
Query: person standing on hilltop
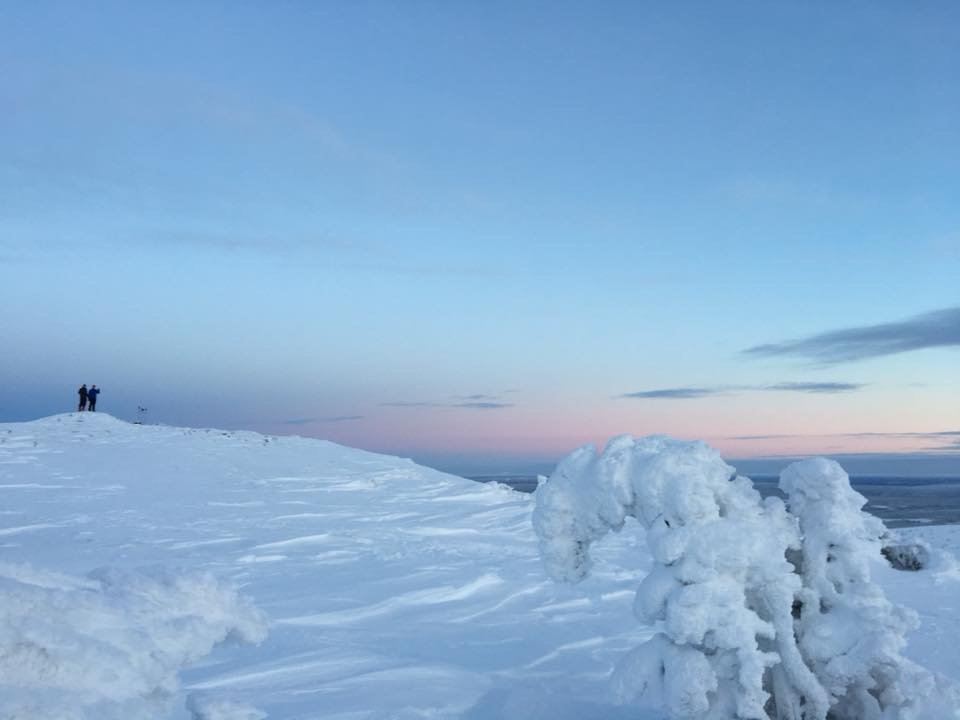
(92, 397)
(83, 398)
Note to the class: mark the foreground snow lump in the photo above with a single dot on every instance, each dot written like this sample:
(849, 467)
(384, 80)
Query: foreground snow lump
(109, 647)
(766, 609)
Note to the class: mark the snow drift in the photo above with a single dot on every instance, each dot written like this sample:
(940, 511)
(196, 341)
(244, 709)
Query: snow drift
(394, 592)
(766, 609)
(109, 646)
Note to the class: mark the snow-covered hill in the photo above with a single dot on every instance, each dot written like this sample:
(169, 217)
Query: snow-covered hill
(391, 590)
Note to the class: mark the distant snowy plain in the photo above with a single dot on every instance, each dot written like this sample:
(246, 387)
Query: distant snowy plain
(368, 586)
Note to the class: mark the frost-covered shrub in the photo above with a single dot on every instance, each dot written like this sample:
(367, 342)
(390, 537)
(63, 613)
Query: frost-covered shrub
(731, 572)
(722, 586)
(850, 634)
(109, 646)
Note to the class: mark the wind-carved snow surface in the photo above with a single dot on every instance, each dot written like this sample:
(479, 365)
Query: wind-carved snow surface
(732, 571)
(109, 646)
(393, 591)
(203, 708)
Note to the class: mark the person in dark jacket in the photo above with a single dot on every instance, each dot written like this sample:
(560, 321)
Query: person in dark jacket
(92, 397)
(83, 398)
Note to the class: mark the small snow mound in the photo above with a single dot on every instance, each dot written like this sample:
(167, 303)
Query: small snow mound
(204, 708)
(109, 647)
(92, 419)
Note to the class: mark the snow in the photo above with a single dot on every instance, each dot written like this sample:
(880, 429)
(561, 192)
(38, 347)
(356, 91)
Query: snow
(722, 589)
(109, 646)
(765, 610)
(390, 590)
(206, 709)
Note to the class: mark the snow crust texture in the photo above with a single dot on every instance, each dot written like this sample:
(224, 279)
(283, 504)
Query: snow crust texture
(109, 646)
(764, 611)
(393, 591)
(203, 708)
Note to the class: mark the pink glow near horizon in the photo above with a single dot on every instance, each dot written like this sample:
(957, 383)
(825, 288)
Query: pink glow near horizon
(520, 432)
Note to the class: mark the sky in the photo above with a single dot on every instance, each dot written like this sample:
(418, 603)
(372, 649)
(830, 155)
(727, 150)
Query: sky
(483, 234)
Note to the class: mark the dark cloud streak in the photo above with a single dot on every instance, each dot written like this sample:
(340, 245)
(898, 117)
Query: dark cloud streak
(848, 435)
(407, 404)
(940, 328)
(330, 419)
(471, 405)
(690, 393)
(814, 387)
(951, 438)
(482, 405)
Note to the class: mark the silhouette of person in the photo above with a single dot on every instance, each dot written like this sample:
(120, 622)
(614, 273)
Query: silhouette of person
(83, 398)
(92, 397)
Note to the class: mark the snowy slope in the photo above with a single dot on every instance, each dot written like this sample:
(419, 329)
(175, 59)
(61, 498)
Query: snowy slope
(392, 590)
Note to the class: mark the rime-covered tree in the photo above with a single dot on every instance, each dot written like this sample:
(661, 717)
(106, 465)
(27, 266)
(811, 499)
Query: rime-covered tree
(849, 633)
(726, 584)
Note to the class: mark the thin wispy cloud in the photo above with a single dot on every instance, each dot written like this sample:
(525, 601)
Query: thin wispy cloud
(430, 270)
(410, 404)
(949, 440)
(687, 393)
(933, 434)
(349, 253)
(944, 443)
(940, 328)
(945, 440)
(939, 433)
(469, 402)
(482, 405)
(260, 244)
(328, 419)
(690, 393)
(814, 387)
(760, 437)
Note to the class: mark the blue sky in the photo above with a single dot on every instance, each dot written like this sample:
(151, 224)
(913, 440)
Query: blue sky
(464, 231)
